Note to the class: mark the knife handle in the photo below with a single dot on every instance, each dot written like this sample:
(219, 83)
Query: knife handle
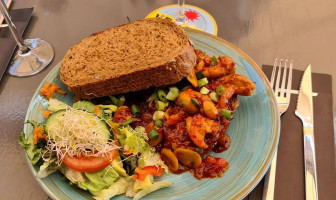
(310, 164)
(269, 182)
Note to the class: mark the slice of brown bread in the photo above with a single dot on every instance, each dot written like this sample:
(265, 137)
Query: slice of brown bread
(130, 57)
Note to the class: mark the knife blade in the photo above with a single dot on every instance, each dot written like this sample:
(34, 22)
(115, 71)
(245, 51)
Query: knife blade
(304, 110)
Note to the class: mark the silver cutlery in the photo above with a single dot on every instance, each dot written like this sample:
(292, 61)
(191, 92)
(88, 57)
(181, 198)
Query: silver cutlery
(304, 111)
(282, 94)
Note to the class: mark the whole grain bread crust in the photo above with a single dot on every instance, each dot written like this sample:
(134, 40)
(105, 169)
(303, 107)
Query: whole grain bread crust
(167, 74)
(170, 72)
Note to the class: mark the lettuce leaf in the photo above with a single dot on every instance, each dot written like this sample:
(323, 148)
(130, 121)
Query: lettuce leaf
(135, 141)
(34, 154)
(117, 165)
(117, 188)
(154, 187)
(48, 167)
(150, 158)
(101, 179)
(146, 155)
(143, 185)
(71, 174)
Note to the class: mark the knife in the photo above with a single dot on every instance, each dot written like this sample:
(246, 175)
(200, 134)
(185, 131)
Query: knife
(304, 110)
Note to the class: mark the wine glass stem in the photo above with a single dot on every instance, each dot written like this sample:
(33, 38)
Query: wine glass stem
(16, 35)
(181, 17)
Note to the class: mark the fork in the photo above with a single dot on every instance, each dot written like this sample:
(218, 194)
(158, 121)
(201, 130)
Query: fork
(282, 95)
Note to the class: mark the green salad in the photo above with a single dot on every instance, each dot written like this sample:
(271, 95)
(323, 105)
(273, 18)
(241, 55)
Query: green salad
(83, 142)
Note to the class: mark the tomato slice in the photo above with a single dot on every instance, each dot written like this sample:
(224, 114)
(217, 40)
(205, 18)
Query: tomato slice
(89, 163)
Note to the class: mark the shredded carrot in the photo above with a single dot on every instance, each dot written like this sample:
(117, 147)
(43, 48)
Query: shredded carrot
(96, 110)
(61, 91)
(114, 128)
(128, 152)
(45, 113)
(38, 134)
(49, 90)
(116, 141)
(52, 90)
(45, 89)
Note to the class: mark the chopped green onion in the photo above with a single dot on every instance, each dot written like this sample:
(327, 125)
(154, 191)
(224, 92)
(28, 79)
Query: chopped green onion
(153, 134)
(199, 75)
(160, 105)
(173, 93)
(186, 87)
(118, 102)
(121, 101)
(115, 100)
(182, 104)
(158, 123)
(158, 115)
(156, 97)
(202, 82)
(220, 90)
(227, 113)
(140, 129)
(214, 96)
(172, 96)
(108, 111)
(213, 61)
(195, 102)
(152, 97)
(204, 90)
(128, 122)
(174, 89)
(135, 110)
(162, 95)
(113, 108)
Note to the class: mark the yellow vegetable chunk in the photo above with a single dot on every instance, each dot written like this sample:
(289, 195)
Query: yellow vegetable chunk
(184, 100)
(170, 159)
(188, 157)
(210, 109)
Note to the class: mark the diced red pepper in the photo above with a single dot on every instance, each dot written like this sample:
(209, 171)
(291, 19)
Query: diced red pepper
(148, 170)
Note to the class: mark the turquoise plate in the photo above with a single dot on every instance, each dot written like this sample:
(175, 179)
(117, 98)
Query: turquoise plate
(254, 133)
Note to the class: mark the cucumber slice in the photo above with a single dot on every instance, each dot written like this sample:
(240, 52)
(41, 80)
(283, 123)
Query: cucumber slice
(84, 105)
(55, 122)
(89, 107)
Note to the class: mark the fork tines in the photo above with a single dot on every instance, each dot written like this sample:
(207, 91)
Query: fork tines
(280, 69)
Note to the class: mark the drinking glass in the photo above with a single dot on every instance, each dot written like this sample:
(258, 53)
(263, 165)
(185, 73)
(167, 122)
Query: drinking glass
(32, 56)
(182, 18)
